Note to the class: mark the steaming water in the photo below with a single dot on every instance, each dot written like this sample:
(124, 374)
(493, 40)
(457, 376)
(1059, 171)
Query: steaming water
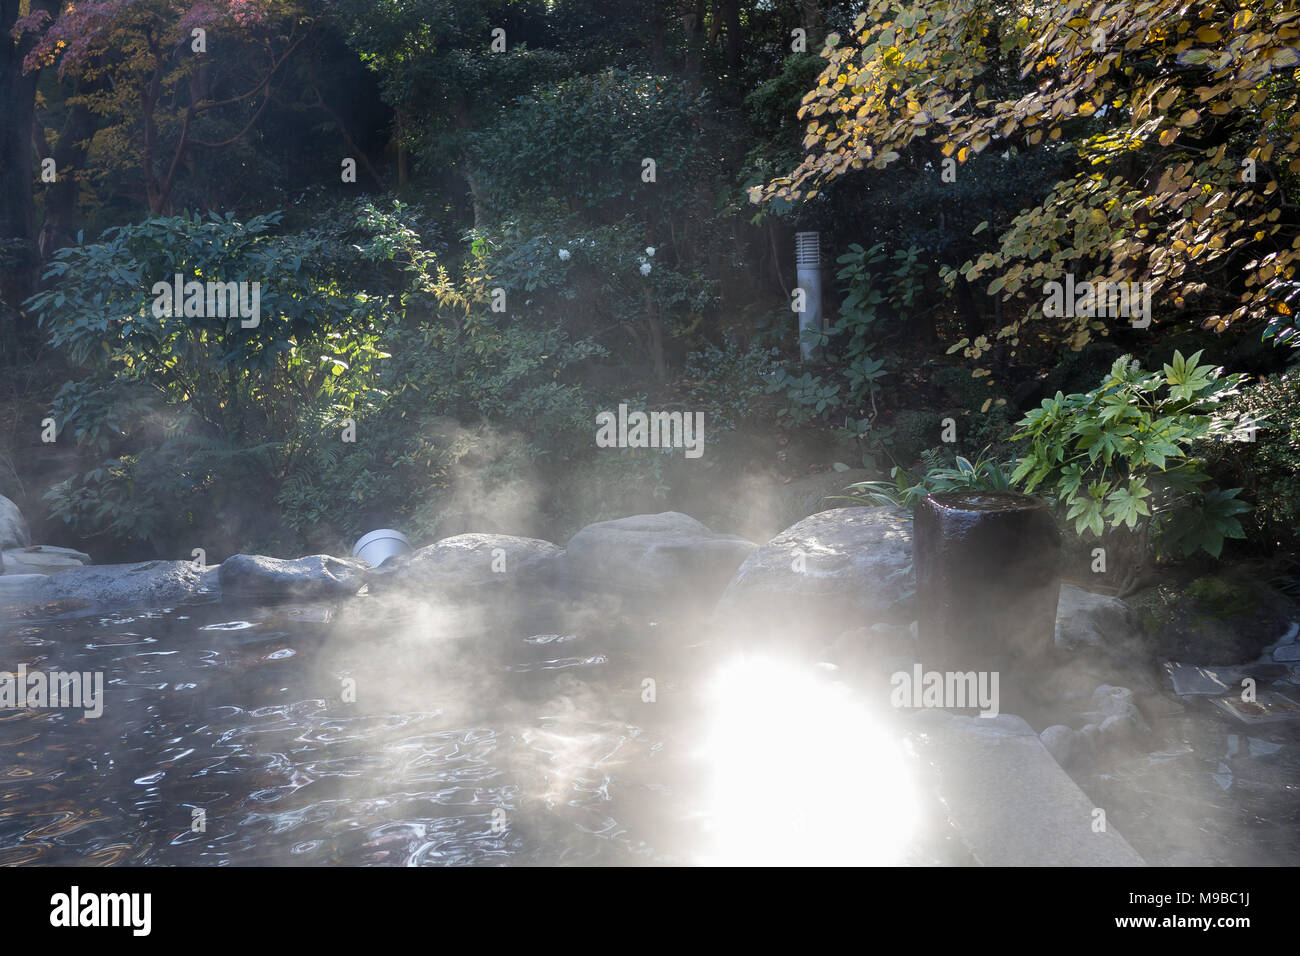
(498, 747)
(1216, 792)
(482, 743)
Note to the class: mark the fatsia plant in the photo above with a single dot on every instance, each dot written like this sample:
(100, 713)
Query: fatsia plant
(1123, 456)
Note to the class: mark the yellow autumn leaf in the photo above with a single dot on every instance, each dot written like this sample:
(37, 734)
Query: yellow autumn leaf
(1285, 57)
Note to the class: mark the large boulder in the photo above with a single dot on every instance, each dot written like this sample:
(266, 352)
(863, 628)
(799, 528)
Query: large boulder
(1097, 622)
(145, 584)
(13, 528)
(43, 559)
(1099, 641)
(1216, 620)
(668, 557)
(20, 590)
(464, 564)
(836, 570)
(312, 578)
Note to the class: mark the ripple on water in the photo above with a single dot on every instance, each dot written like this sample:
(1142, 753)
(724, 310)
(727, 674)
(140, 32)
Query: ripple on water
(447, 751)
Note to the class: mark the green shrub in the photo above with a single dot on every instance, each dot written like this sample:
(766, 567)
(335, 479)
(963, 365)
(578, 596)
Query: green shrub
(191, 427)
(728, 384)
(178, 410)
(905, 490)
(585, 138)
(1269, 466)
(1122, 455)
(915, 431)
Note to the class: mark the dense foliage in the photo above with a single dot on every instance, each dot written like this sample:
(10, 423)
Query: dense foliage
(473, 226)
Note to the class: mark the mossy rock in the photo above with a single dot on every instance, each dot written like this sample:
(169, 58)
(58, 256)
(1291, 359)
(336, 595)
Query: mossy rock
(1229, 618)
(1224, 598)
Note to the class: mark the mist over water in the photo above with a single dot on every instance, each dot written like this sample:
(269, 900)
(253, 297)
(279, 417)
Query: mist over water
(477, 736)
(474, 738)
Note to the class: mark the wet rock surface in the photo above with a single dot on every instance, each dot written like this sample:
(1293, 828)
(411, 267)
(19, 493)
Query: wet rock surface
(43, 559)
(668, 555)
(13, 527)
(465, 563)
(315, 577)
(1205, 793)
(1189, 772)
(140, 585)
(1213, 619)
(843, 568)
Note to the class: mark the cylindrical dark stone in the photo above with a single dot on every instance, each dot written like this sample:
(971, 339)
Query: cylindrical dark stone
(987, 578)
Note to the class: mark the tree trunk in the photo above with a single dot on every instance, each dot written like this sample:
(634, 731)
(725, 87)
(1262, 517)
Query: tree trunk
(812, 22)
(730, 14)
(19, 262)
(693, 26)
(657, 27)
(471, 179)
(655, 326)
(69, 155)
(403, 157)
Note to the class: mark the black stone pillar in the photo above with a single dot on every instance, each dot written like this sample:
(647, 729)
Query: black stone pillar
(987, 579)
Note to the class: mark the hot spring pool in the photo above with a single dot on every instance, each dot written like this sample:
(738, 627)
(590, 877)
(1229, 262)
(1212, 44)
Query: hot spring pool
(309, 735)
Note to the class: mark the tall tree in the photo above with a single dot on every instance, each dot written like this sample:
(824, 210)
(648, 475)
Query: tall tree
(1178, 127)
(166, 90)
(445, 65)
(18, 256)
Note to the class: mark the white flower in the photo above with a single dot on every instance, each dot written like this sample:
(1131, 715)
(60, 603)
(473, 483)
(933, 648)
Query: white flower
(564, 255)
(650, 251)
(645, 268)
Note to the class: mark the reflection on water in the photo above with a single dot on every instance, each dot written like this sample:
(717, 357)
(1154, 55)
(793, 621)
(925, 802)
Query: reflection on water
(378, 736)
(803, 774)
